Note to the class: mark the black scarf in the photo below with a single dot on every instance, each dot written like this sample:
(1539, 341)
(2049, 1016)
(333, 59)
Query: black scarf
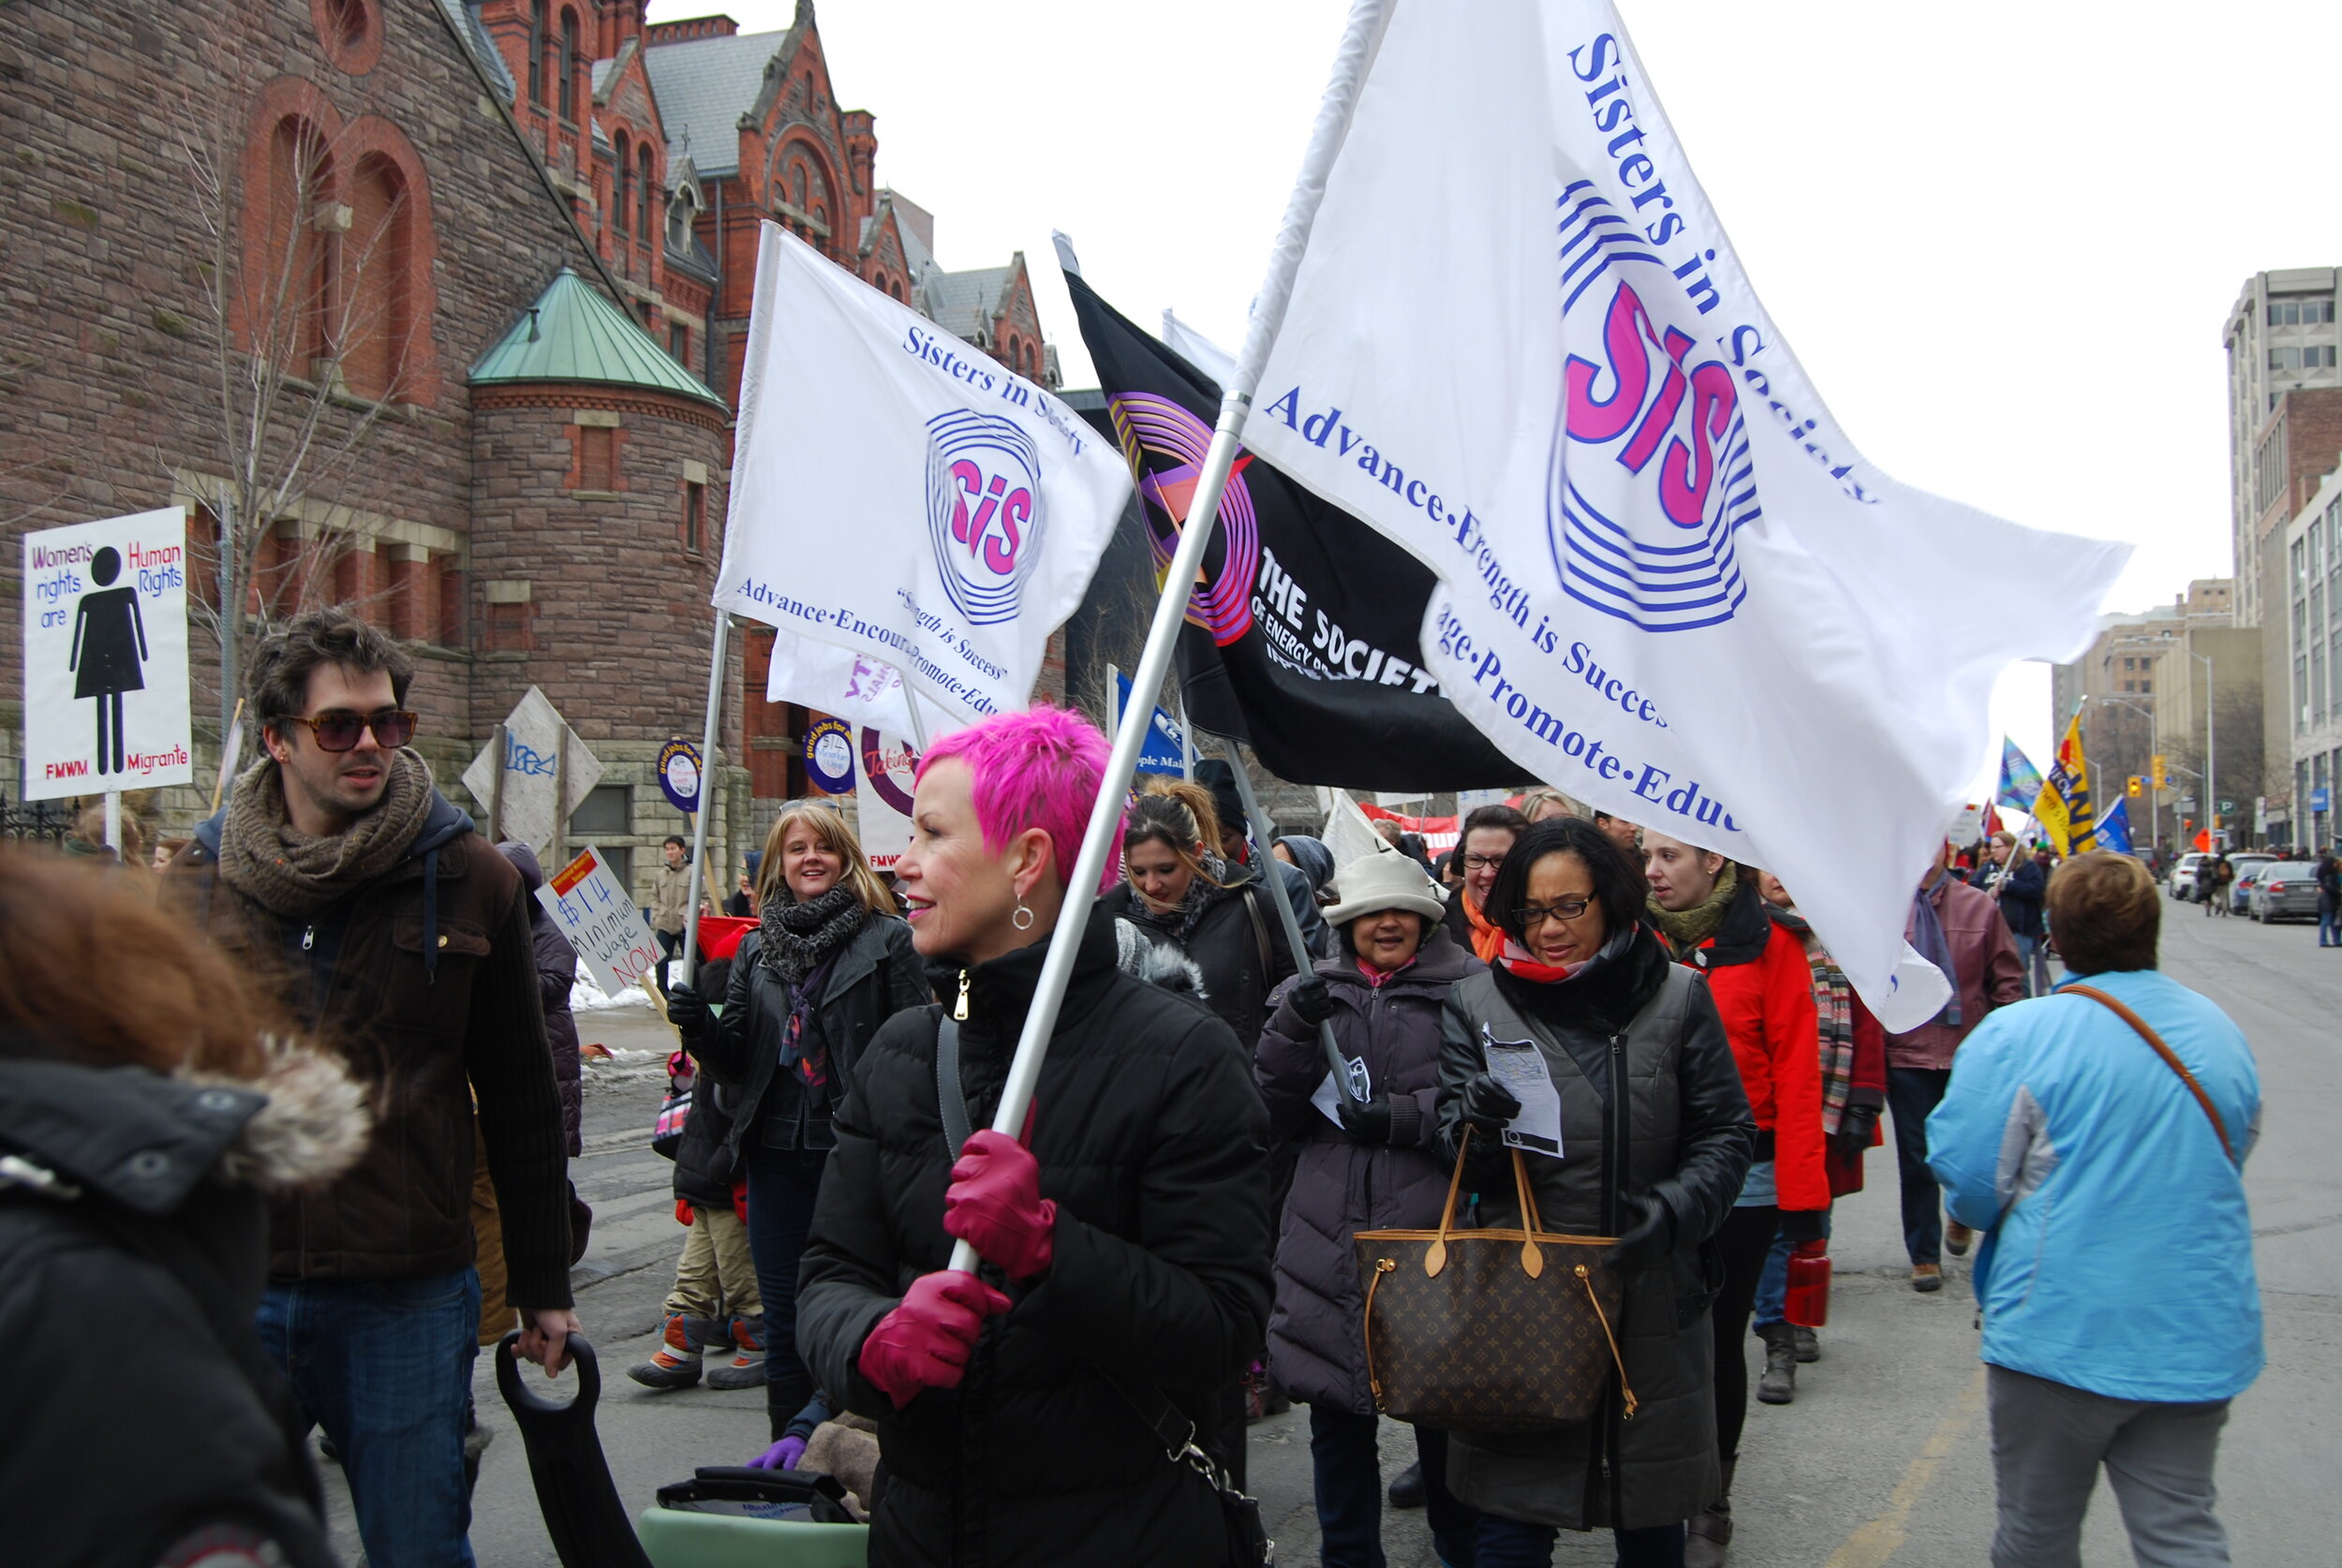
(798, 938)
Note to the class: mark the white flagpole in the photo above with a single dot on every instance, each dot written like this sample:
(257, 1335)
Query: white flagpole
(708, 780)
(1361, 37)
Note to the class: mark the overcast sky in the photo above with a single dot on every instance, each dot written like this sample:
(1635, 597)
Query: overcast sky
(2003, 238)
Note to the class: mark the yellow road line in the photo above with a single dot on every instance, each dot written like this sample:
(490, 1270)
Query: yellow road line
(1874, 1543)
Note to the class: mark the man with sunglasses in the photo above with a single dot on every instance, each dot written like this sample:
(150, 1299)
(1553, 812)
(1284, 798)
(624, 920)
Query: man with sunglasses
(397, 936)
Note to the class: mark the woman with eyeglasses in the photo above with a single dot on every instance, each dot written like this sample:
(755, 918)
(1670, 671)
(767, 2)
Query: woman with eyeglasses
(829, 962)
(1655, 1141)
(1489, 834)
(1714, 923)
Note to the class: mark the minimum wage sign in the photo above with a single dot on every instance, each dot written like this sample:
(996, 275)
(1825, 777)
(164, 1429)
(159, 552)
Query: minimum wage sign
(595, 912)
(106, 656)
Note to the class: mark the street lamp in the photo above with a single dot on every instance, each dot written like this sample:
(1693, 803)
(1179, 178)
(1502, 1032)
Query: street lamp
(2211, 754)
(2155, 807)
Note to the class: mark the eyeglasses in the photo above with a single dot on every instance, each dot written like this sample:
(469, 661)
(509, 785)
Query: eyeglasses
(338, 731)
(1531, 916)
(1483, 862)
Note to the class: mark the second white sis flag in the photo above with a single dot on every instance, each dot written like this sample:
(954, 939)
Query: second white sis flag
(1670, 585)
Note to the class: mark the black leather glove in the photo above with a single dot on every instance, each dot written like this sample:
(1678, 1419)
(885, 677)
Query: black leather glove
(1312, 1001)
(1857, 1124)
(1650, 1233)
(1802, 1225)
(1488, 1105)
(685, 1010)
(1369, 1123)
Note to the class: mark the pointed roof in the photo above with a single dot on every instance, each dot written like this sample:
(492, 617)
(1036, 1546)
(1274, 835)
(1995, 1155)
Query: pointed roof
(571, 333)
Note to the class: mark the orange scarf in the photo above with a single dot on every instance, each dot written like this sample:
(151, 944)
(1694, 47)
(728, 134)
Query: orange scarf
(1487, 940)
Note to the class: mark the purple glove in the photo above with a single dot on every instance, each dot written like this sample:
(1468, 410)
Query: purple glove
(783, 1455)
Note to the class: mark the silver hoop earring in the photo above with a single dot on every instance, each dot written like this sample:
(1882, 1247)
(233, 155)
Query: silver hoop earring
(1022, 919)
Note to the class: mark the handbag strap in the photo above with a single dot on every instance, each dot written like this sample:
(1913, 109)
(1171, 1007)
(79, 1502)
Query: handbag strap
(951, 1101)
(1260, 927)
(2171, 1060)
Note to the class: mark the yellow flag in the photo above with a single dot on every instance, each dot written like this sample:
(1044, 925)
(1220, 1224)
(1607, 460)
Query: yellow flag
(2064, 810)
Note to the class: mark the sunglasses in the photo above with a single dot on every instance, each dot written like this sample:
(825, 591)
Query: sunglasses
(338, 731)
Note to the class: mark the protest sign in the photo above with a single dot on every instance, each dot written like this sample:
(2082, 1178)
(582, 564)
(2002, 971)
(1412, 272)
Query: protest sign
(534, 737)
(1668, 583)
(106, 656)
(829, 755)
(597, 915)
(853, 686)
(1166, 751)
(979, 502)
(882, 796)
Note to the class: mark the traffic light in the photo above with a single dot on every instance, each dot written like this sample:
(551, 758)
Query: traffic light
(2138, 786)
(2156, 772)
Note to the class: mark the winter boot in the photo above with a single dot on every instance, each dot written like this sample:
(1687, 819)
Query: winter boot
(675, 1364)
(714, 1333)
(1778, 1383)
(1406, 1488)
(1808, 1343)
(1710, 1533)
(746, 1370)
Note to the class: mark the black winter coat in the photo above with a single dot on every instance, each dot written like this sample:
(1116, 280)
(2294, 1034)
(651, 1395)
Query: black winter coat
(1683, 1132)
(1153, 1145)
(875, 975)
(1316, 1335)
(557, 975)
(180, 1430)
(2021, 900)
(1225, 943)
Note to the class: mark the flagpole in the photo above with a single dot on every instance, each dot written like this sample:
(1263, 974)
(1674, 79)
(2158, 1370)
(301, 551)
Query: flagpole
(1360, 36)
(1262, 836)
(707, 777)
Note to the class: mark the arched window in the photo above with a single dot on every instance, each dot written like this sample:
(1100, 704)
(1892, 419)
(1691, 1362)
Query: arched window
(622, 188)
(538, 42)
(291, 301)
(646, 220)
(377, 252)
(569, 65)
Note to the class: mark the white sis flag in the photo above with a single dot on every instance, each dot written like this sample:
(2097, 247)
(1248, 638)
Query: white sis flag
(897, 494)
(1670, 583)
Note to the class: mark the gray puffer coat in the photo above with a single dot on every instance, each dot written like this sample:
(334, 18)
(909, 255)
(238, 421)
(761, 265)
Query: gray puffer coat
(1316, 1334)
(1681, 1132)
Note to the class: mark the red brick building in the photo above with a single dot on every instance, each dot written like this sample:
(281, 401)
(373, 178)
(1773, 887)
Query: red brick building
(485, 263)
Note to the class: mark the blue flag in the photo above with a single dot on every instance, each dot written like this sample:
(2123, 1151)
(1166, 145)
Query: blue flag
(2020, 780)
(1164, 751)
(2115, 829)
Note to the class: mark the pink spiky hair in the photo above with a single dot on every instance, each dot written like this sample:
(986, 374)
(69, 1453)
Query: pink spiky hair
(1040, 768)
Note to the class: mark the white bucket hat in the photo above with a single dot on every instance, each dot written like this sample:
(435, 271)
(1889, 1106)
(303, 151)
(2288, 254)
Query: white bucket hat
(1389, 880)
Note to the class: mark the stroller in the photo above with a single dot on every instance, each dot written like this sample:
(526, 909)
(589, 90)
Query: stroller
(722, 1517)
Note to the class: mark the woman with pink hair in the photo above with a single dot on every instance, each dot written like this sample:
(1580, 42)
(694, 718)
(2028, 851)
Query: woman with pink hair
(1124, 1238)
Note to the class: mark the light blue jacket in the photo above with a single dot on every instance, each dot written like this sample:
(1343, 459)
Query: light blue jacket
(2120, 1258)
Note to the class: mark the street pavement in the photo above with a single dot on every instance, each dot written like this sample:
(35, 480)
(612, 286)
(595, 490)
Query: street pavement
(1882, 1459)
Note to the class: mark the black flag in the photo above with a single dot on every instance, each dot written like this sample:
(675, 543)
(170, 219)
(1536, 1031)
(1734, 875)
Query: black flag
(1302, 635)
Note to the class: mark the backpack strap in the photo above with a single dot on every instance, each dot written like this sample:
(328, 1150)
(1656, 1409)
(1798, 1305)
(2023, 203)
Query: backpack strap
(2171, 1060)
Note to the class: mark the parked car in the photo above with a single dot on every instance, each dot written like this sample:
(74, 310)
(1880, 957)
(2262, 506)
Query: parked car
(2248, 866)
(2184, 874)
(2286, 889)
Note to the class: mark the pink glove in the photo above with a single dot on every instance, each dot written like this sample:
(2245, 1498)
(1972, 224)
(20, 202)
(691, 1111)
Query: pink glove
(924, 1342)
(783, 1455)
(995, 1206)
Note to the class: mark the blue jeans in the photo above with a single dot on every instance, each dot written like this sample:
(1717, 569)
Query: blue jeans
(1772, 1286)
(1912, 1092)
(2033, 954)
(1349, 1485)
(2329, 929)
(1511, 1544)
(782, 1184)
(384, 1366)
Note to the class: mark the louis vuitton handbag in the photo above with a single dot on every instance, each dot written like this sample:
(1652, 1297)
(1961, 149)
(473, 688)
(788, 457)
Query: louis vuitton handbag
(1490, 1330)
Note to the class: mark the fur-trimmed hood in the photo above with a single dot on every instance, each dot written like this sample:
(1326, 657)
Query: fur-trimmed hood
(1158, 963)
(145, 1140)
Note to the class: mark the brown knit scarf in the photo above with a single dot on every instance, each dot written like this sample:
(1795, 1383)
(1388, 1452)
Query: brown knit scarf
(1685, 929)
(264, 857)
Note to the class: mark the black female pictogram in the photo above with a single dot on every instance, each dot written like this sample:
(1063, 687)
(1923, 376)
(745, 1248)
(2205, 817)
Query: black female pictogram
(108, 651)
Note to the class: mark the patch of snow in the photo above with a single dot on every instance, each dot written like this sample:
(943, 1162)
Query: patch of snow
(587, 995)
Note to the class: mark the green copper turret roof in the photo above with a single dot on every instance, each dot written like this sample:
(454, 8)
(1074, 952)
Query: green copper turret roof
(571, 333)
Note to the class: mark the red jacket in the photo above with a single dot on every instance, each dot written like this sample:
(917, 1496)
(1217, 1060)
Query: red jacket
(1764, 990)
